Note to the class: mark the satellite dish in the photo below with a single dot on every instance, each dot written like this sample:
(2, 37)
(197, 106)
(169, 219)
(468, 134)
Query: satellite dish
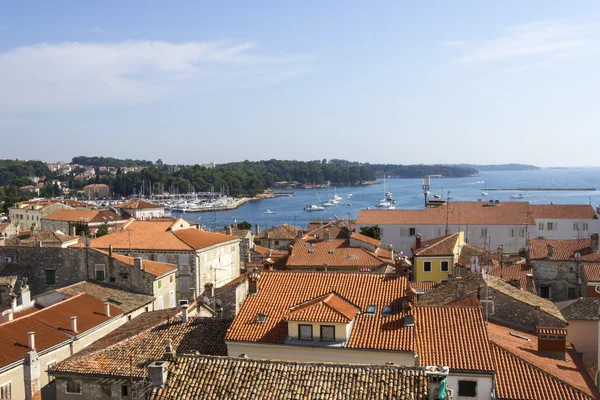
(206, 300)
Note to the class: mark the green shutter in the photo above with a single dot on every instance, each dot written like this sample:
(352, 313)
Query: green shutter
(159, 283)
(100, 275)
(50, 277)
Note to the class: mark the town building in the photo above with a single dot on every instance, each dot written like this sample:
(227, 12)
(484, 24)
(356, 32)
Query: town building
(42, 238)
(434, 259)
(582, 314)
(69, 221)
(140, 209)
(201, 257)
(8, 230)
(564, 221)
(30, 189)
(95, 190)
(246, 241)
(559, 266)
(116, 365)
(26, 214)
(278, 237)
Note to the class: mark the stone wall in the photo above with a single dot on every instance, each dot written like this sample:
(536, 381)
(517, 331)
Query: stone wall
(559, 276)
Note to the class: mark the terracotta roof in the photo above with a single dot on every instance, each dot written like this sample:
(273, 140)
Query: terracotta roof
(278, 291)
(551, 331)
(205, 377)
(424, 287)
(145, 341)
(124, 299)
(283, 232)
(570, 370)
(26, 238)
(154, 268)
(138, 204)
(563, 211)
(157, 234)
(308, 252)
(326, 308)
(239, 233)
(515, 272)
(518, 379)
(365, 239)
(485, 257)
(88, 216)
(583, 308)
(338, 229)
(93, 185)
(564, 250)
(52, 325)
(441, 246)
(452, 336)
(7, 280)
(592, 272)
(455, 213)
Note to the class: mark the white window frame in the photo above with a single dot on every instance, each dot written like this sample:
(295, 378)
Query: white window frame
(540, 226)
(576, 226)
(447, 266)
(160, 303)
(430, 266)
(172, 299)
(9, 385)
(484, 232)
(80, 393)
(550, 226)
(585, 226)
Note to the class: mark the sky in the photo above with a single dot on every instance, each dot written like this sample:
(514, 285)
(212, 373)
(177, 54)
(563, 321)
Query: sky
(382, 82)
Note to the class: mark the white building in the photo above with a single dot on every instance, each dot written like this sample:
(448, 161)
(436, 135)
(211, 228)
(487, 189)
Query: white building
(140, 209)
(564, 221)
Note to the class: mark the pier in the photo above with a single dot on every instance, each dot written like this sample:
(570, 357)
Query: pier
(559, 189)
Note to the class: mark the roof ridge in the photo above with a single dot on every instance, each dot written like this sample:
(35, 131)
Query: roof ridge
(47, 307)
(502, 348)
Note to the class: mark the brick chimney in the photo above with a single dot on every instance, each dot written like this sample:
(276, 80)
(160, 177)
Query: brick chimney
(418, 241)
(253, 283)
(595, 242)
(32, 372)
(550, 251)
(529, 281)
(552, 341)
(169, 353)
(460, 289)
(326, 235)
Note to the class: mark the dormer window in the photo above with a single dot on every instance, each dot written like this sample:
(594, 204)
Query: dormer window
(328, 333)
(387, 311)
(305, 332)
(261, 318)
(371, 309)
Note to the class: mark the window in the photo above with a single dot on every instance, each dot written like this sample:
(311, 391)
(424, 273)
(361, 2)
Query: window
(49, 366)
(124, 277)
(74, 387)
(159, 283)
(467, 388)
(585, 226)
(445, 266)
(522, 232)
(184, 284)
(571, 293)
(412, 231)
(5, 391)
(387, 311)
(305, 332)
(576, 226)
(276, 242)
(541, 226)
(512, 233)
(50, 277)
(184, 259)
(550, 226)
(99, 272)
(159, 303)
(426, 266)
(327, 332)
(402, 232)
(371, 309)
(124, 391)
(260, 317)
(484, 232)
(171, 279)
(545, 292)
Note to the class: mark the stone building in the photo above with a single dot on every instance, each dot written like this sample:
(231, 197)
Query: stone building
(278, 237)
(96, 191)
(67, 221)
(558, 266)
(140, 209)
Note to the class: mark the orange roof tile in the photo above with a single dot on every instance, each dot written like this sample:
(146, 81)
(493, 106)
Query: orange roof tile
(455, 213)
(570, 370)
(551, 331)
(88, 216)
(278, 291)
(326, 308)
(138, 204)
(454, 337)
(52, 325)
(441, 246)
(516, 272)
(283, 232)
(199, 239)
(592, 272)
(563, 211)
(365, 239)
(564, 250)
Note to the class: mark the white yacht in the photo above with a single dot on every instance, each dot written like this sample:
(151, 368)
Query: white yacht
(270, 212)
(383, 203)
(314, 207)
(516, 196)
(329, 203)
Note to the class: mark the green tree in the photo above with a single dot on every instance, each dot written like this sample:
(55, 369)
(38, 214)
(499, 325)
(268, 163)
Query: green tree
(82, 229)
(373, 231)
(102, 230)
(244, 225)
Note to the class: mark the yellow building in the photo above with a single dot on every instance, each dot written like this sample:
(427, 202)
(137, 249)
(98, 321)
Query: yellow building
(434, 259)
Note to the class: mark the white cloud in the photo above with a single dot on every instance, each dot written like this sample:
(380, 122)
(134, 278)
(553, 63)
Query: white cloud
(77, 75)
(539, 40)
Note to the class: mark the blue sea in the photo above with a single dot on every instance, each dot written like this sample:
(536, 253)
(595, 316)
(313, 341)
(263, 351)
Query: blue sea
(409, 195)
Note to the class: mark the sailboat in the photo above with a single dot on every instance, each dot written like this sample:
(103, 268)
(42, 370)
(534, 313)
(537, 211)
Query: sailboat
(483, 192)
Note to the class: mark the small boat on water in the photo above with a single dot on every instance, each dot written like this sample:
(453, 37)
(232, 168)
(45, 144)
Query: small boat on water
(314, 207)
(270, 212)
(384, 203)
(516, 196)
(349, 195)
(437, 197)
(329, 203)
(484, 193)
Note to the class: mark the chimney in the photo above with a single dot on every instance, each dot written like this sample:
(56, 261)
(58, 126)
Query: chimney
(552, 341)
(418, 241)
(326, 235)
(32, 372)
(31, 340)
(74, 324)
(391, 250)
(138, 263)
(193, 295)
(107, 308)
(158, 372)
(460, 289)
(13, 302)
(184, 313)
(550, 251)
(256, 229)
(7, 316)
(253, 283)
(595, 240)
(209, 290)
(230, 230)
(110, 250)
(169, 353)
(529, 282)
(290, 250)
(25, 294)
